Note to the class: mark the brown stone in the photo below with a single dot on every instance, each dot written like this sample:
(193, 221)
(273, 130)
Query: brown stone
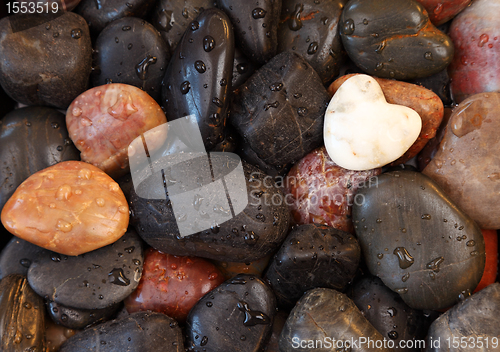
(467, 164)
(426, 103)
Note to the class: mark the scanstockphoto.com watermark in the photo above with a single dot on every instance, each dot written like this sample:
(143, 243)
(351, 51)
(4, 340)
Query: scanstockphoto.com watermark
(315, 188)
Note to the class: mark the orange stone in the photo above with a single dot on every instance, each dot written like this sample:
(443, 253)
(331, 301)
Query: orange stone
(69, 208)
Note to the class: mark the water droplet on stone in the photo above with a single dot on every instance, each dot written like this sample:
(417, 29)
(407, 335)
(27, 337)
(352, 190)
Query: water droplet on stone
(348, 27)
(434, 264)
(76, 33)
(428, 55)
(313, 48)
(208, 43)
(258, 13)
(117, 277)
(185, 87)
(200, 66)
(405, 259)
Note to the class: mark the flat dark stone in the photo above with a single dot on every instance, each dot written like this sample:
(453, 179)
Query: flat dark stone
(394, 39)
(141, 331)
(325, 314)
(17, 257)
(310, 28)
(417, 241)
(279, 110)
(131, 51)
(94, 280)
(62, 40)
(313, 256)
(74, 318)
(31, 139)
(237, 315)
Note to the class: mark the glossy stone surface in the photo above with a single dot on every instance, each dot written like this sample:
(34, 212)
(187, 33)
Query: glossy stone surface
(363, 131)
(475, 319)
(427, 104)
(325, 313)
(94, 280)
(313, 256)
(131, 51)
(99, 13)
(252, 234)
(256, 26)
(55, 38)
(70, 208)
(321, 192)
(441, 11)
(171, 18)
(310, 28)
(74, 318)
(45, 142)
(418, 241)
(142, 331)
(385, 310)
(476, 65)
(104, 120)
(198, 78)
(17, 257)
(279, 111)
(239, 313)
(22, 316)
(467, 164)
(391, 39)
(172, 285)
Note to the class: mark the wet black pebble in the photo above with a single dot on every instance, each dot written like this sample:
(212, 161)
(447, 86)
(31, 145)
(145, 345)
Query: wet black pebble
(94, 280)
(138, 56)
(313, 256)
(239, 313)
(141, 331)
(74, 318)
(17, 256)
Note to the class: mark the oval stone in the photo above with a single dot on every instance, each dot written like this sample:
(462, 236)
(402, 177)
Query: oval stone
(323, 314)
(239, 313)
(476, 65)
(63, 72)
(142, 331)
(418, 241)
(393, 39)
(467, 163)
(31, 139)
(313, 256)
(94, 280)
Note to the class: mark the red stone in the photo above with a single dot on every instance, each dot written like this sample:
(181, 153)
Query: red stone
(441, 11)
(172, 285)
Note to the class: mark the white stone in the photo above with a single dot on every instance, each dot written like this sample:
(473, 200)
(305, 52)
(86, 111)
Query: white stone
(362, 131)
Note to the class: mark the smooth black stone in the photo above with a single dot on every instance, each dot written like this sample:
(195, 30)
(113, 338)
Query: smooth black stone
(242, 69)
(439, 83)
(17, 256)
(473, 320)
(99, 13)
(279, 110)
(141, 331)
(172, 17)
(46, 59)
(237, 315)
(73, 318)
(137, 56)
(387, 312)
(200, 71)
(94, 280)
(313, 256)
(251, 157)
(310, 28)
(394, 39)
(417, 241)
(325, 314)
(22, 316)
(31, 139)
(255, 25)
(252, 234)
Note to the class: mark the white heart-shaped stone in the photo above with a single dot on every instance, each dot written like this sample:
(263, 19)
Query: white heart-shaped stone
(362, 130)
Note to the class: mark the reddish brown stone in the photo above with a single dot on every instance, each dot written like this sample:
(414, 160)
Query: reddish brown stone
(319, 191)
(467, 164)
(425, 102)
(172, 285)
(441, 11)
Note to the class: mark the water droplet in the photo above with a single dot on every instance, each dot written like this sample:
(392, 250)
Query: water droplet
(55, 35)
(185, 87)
(426, 217)
(194, 25)
(185, 13)
(471, 243)
(258, 13)
(55, 258)
(428, 56)
(302, 111)
(208, 43)
(295, 21)
(483, 39)
(365, 22)
(129, 250)
(313, 48)
(392, 312)
(204, 341)
(200, 66)
(76, 111)
(25, 262)
(238, 281)
(464, 295)
(402, 291)
(432, 275)
(380, 255)
(64, 317)
(393, 335)
(276, 87)
(141, 69)
(405, 259)
(381, 47)
(434, 264)
(64, 226)
(217, 102)
(76, 33)
(251, 238)
(405, 277)
(126, 28)
(252, 317)
(348, 27)
(242, 68)
(100, 202)
(474, 253)
(271, 105)
(117, 277)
